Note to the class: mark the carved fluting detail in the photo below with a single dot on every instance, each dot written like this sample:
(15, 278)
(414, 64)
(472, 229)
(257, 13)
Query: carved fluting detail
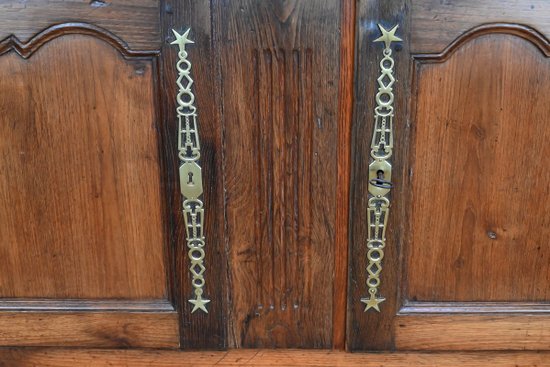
(283, 85)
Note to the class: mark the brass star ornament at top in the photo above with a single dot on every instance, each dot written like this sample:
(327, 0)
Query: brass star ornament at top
(388, 36)
(181, 39)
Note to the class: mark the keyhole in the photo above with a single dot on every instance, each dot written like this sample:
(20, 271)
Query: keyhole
(380, 174)
(190, 180)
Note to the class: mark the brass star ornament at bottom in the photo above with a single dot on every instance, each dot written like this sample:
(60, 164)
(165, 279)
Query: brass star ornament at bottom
(372, 302)
(199, 304)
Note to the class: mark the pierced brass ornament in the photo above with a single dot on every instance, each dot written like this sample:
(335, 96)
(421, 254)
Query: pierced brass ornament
(380, 170)
(190, 171)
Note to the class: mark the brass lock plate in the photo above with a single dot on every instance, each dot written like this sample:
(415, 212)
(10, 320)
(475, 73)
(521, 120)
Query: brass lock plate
(379, 169)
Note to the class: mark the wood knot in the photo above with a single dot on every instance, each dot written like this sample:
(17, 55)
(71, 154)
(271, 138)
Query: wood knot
(283, 9)
(98, 3)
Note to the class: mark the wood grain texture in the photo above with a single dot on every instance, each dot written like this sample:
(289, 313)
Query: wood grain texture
(371, 330)
(280, 65)
(198, 330)
(472, 332)
(437, 23)
(134, 21)
(75, 170)
(480, 227)
(246, 357)
(345, 116)
(90, 329)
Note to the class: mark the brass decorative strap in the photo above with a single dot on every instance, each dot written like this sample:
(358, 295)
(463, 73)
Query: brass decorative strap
(190, 171)
(380, 171)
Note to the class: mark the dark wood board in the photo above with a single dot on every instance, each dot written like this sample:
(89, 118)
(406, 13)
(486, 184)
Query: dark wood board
(198, 330)
(280, 68)
(345, 116)
(371, 330)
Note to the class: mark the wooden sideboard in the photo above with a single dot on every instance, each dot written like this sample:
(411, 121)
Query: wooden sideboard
(92, 234)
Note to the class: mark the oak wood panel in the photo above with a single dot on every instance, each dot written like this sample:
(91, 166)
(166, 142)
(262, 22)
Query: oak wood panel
(437, 23)
(90, 329)
(370, 330)
(345, 116)
(134, 21)
(79, 185)
(280, 65)
(481, 175)
(472, 332)
(198, 330)
(247, 357)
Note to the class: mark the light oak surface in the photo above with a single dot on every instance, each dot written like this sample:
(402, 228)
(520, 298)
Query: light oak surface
(280, 358)
(82, 239)
(480, 176)
(80, 187)
(472, 332)
(90, 329)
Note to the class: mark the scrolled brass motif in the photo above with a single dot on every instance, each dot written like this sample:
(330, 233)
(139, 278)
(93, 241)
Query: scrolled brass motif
(380, 170)
(190, 172)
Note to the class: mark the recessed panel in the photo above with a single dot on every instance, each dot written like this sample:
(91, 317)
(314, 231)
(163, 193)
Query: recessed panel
(481, 175)
(80, 195)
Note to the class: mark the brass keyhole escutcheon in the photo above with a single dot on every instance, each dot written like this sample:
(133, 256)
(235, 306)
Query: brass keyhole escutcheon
(379, 169)
(190, 180)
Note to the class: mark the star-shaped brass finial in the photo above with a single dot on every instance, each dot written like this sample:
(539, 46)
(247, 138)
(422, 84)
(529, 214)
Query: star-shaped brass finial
(372, 302)
(199, 303)
(388, 36)
(181, 39)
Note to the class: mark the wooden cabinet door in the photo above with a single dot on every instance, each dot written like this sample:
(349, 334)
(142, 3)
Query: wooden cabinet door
(91, 234)
(467, 260)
